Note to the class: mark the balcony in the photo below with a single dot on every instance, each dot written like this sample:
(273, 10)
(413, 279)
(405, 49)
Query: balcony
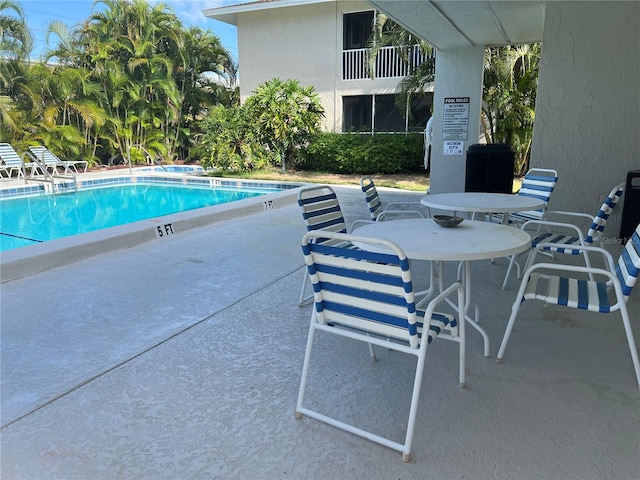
(355, 65)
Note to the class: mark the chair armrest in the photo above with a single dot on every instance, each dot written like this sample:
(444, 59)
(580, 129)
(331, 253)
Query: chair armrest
(404, 208)
(583, 248)
(567, 214)
(454, 287)
(544, 223)
(612, 278)
(357, 223)
(403, 205)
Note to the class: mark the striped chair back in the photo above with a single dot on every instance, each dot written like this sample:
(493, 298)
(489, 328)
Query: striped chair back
(537, 183)
(321, 210)
(362, 289)
(600, 220)
(371, 197)
(44, 154)
(629, 263)
(9, 156)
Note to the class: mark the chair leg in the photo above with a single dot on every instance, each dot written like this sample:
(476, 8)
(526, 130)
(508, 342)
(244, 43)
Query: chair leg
(413, 410)
(506, 275)
(305, 368)
(372, 352)
(587, 262)
(512, 319)
(632, 344)
(305, 279)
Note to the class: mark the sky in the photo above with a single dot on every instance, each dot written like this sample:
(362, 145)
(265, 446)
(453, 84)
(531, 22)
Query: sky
(39, 13)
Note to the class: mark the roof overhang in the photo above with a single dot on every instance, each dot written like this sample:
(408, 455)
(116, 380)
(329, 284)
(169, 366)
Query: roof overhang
(229, 14)
(443, 23)
(454, 24)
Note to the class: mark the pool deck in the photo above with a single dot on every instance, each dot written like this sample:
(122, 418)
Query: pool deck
(180, 358)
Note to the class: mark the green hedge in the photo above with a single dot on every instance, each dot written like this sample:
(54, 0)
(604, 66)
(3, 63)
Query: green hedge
(362, 154)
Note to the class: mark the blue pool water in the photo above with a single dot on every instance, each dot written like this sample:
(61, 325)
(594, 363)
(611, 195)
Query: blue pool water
(35, 219)
(173, 169)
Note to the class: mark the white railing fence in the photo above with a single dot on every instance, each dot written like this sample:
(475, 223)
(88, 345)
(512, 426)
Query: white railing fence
(389, 64)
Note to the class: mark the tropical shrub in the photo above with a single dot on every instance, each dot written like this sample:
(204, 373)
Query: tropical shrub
(361, 154)
(270, 128)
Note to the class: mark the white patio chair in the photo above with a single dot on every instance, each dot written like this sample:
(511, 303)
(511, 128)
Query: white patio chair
(569, 290)
(568, 234)
(53, 162)
(368, 296)
(378, 211)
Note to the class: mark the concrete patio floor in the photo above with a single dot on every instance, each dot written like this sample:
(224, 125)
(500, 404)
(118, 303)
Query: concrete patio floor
(181, 359)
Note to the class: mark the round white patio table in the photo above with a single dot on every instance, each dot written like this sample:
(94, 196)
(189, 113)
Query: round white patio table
(480, 202)
(423, 239)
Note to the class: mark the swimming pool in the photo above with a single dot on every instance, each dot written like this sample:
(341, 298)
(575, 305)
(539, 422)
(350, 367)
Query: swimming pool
(41, 231)
(41, 218)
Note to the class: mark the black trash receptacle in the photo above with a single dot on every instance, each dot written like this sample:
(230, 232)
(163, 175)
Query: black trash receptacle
(489, 168)
(631, 208)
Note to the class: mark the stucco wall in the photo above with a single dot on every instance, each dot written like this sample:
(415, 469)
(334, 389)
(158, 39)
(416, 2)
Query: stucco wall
(459, 74)
(588, 106)
(303, 43)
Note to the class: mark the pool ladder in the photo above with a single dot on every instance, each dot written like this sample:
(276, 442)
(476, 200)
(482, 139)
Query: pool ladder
(150, 158)
(48, 176)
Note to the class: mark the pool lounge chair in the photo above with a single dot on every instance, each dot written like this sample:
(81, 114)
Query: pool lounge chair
(11, 162)
(47, 158)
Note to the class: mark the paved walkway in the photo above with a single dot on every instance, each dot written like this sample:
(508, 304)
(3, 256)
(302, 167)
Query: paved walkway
(181, 360)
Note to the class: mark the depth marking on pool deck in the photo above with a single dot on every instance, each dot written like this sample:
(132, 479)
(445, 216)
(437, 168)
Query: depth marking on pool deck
(164, 230)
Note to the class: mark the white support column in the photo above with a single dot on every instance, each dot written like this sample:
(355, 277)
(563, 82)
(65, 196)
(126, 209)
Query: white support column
(458, 75)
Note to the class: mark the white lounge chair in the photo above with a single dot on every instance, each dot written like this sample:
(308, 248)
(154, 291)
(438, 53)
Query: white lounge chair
(368, 296)
(11, 162)
(46, 157)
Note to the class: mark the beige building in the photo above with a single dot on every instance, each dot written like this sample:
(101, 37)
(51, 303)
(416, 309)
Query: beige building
(323, 43)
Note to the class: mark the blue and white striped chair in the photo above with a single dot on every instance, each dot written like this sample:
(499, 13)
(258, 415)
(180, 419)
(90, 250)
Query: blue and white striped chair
(537, 183)
(567, 234)
(601, 296)
(366, 294)
(378, 211)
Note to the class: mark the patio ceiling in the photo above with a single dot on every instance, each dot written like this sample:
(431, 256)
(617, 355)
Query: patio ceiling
(455, 24)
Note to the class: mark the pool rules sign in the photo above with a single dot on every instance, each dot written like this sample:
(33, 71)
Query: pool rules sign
(455, 124)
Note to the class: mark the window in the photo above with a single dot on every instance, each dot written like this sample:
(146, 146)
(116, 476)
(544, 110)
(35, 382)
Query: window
(379, 113)
(357, 112)
(421, 107)
(357, 28)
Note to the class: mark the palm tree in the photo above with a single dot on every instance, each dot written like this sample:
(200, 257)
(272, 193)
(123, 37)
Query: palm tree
(15, 37)
(15, 46)
(509, 95)
(387, 33)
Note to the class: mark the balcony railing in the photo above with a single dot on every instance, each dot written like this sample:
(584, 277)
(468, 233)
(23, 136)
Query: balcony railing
(355, 65)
